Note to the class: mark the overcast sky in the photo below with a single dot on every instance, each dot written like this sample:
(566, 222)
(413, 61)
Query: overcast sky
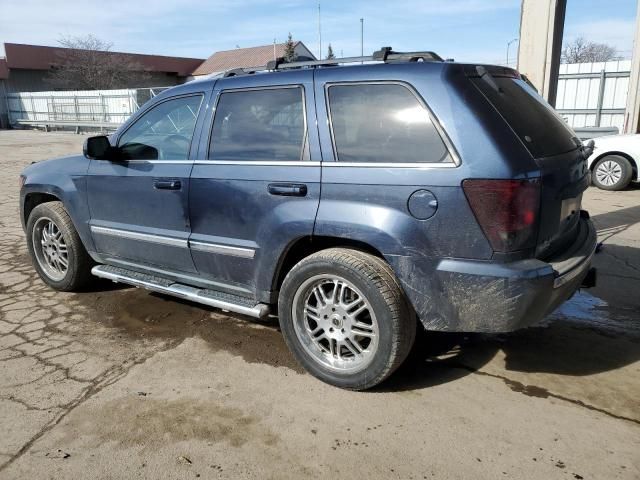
(467, 30)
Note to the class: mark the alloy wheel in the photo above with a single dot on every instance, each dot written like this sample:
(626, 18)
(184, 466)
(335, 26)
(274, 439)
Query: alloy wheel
(335, 323)
(50, 249)
(609, 173)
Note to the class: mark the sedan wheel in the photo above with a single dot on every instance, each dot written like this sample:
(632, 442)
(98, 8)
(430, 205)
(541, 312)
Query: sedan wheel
(609, 173)
(612, 172)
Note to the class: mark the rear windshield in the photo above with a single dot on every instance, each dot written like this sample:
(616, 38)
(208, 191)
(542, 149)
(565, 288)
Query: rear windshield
(540, 128)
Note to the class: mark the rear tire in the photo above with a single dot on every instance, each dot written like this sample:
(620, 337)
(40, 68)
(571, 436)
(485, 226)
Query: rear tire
(612, 172)
(56, 250)
(345, 317)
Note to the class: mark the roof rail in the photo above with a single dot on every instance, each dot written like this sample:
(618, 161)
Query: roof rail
(385, 54)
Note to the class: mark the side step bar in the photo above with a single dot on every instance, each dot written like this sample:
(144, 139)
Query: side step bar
(212, 298)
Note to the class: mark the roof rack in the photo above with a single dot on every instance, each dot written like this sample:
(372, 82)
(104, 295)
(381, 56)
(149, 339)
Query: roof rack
(385, 54)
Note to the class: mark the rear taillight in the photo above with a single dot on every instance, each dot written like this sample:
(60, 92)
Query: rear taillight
(507, 211)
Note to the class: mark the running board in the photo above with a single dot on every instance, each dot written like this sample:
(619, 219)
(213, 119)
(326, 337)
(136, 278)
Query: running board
(212, 298)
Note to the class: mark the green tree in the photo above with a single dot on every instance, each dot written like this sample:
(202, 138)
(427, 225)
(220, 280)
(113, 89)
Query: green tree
(330, 54)
(289, 49)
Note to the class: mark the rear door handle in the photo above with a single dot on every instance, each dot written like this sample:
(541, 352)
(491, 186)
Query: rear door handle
(167, 184)
(288, 189)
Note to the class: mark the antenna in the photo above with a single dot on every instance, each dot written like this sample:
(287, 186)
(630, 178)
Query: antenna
(319, 35)
(362, 37)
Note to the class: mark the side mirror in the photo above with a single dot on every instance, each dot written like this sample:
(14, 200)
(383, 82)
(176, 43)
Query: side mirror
(588, 148)
(97, 148)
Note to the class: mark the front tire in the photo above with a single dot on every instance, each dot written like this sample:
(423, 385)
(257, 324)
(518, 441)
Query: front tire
(612, 172)
(344, 316)
(55, 248)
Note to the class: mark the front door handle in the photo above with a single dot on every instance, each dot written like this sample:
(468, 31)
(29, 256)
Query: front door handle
(288, 189)
(167, 184)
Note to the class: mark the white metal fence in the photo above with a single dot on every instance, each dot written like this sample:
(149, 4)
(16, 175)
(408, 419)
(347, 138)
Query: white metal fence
(594, 94)
(101, 108)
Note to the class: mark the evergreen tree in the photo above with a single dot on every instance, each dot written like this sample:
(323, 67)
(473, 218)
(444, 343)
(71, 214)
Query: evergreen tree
(289, 50)
(330, 54)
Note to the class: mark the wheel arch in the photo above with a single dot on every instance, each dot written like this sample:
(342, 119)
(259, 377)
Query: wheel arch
(630, 159)
(32, 196)
(32, 200)
(308, 245)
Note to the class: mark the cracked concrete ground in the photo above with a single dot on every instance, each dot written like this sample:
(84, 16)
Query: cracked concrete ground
(119, 383)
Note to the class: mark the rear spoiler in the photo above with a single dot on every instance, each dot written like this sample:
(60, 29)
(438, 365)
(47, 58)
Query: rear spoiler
(479, 71)
(487, 71)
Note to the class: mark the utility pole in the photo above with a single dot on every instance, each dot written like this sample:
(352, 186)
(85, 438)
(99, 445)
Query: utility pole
(319, 35)
(274, 48)
(362, 38)
(508, 45)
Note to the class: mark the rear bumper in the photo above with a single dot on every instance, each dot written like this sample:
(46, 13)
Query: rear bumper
(477, 296)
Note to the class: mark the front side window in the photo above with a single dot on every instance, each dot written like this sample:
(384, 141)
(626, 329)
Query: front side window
(265, 125)
(164, 132)
(382, 123)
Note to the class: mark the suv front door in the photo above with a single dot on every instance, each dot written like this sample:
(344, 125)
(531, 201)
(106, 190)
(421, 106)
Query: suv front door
(139, 200)
(257, 189)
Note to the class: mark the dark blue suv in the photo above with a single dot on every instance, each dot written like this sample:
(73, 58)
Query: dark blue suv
(353, 201)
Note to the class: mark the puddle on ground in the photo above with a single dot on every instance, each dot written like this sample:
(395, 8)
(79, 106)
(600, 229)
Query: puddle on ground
(529, 390)
(583, 306)
(585, 309)
(140, 315)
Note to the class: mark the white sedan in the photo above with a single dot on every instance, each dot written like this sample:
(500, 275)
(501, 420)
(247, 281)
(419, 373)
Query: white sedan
(614, 161)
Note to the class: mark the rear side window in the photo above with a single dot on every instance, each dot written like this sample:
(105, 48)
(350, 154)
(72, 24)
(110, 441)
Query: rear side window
(533, 120)
(382, 123)
(267, 125)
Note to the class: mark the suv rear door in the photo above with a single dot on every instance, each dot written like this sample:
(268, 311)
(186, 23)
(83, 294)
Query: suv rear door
(257, 188)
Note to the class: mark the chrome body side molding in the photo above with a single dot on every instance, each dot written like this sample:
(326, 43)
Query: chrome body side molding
(222, 249)
(176, 242)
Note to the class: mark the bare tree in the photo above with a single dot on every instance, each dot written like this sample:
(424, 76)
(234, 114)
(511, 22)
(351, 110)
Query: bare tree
(582, 51)
(87, 63)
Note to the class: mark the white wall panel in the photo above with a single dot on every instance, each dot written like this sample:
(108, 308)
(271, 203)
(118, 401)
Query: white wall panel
(582, 93)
